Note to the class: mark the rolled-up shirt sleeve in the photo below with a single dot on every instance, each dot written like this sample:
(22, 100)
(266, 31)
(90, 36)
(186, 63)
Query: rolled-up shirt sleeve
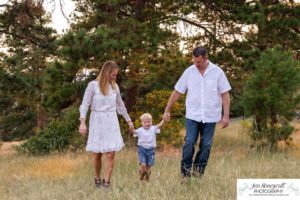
(223, 83)
(120, 106)
(156, 129)
(86, 101)
(181, 85)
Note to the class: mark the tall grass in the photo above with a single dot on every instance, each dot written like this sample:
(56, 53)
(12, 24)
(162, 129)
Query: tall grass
(70, 176)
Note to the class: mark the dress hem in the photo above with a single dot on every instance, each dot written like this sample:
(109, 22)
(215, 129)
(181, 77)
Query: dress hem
(104, 150)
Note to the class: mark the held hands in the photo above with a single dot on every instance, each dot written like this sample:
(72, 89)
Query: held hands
(131, 126)
(167, 116)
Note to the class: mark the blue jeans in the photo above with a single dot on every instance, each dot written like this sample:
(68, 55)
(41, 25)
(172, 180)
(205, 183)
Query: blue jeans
(146, 156)
(193, 128)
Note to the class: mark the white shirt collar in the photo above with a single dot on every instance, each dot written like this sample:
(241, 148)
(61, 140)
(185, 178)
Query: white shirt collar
(210, 67)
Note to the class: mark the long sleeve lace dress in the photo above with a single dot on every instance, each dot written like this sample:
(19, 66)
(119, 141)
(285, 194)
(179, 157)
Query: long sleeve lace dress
(104, 129)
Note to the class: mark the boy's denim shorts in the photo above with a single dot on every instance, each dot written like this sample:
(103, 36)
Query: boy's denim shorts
(146, 156)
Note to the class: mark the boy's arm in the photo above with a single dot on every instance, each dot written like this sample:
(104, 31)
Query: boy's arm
(160, 124)
(134, 132)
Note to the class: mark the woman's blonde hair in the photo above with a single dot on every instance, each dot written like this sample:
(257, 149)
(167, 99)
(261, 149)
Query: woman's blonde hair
(104, 77)
(145, 116)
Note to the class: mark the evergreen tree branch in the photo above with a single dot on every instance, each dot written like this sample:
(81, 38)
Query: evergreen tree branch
(41, 45)
(199, 26)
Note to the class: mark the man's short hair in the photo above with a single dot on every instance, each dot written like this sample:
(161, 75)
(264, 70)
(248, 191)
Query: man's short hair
(199, 51)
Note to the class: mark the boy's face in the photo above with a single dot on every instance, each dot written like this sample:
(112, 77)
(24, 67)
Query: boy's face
(146, 123)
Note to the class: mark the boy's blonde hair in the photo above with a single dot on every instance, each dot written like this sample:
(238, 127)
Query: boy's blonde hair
(145, 116)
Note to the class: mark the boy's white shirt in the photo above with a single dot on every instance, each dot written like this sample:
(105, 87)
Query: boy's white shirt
(147, 137)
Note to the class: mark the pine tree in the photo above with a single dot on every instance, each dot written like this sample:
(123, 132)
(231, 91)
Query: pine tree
(271, 94)
(134, 33)
(236, 32)
(29, 43)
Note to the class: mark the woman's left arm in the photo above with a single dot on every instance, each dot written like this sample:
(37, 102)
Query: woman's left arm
(121, 109)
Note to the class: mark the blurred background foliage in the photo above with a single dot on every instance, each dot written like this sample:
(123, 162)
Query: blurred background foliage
(43, 74)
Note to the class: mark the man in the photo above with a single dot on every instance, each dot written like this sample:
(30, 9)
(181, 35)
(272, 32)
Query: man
(207, 89)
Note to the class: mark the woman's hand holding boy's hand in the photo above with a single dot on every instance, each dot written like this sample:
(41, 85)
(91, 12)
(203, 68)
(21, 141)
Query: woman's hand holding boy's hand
(131, 126)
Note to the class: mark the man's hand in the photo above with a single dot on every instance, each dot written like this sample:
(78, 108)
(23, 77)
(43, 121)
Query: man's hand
(173, 98)
(224, 121)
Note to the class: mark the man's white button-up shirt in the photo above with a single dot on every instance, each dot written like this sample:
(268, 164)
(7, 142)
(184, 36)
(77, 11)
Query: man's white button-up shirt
(203, 99)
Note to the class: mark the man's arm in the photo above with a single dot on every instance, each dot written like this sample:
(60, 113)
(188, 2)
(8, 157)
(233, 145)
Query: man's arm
(173, 98)
(226, 107)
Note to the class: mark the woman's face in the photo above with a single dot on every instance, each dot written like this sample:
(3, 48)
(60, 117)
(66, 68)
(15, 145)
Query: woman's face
(113, 75)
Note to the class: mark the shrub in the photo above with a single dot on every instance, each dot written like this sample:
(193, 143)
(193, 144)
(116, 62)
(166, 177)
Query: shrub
(155, 103)
(17, 125)
(61, 134)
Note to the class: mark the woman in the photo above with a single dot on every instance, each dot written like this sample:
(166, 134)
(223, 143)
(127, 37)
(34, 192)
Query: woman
(104, 131)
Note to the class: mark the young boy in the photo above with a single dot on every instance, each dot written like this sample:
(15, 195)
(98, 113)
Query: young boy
(146, 144)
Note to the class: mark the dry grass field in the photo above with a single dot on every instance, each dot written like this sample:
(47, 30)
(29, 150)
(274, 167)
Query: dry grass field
(70, 176)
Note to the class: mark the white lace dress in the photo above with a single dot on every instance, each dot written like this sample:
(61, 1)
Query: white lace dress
(104, 129)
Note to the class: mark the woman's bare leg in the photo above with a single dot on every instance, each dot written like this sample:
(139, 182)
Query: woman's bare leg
(97, 164)
(110, 156)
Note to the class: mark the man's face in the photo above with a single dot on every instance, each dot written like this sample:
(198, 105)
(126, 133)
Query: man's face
(199, 61)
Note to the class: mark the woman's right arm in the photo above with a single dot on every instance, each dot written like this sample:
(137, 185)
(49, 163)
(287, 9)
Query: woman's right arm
(84, 107)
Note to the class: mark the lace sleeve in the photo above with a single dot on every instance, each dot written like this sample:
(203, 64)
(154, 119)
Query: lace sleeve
(86, 101)
(121, 109)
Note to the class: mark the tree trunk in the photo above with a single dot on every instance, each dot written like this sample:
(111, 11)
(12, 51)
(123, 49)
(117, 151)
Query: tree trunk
(130, 97)
(41, 117)
(274, 119)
